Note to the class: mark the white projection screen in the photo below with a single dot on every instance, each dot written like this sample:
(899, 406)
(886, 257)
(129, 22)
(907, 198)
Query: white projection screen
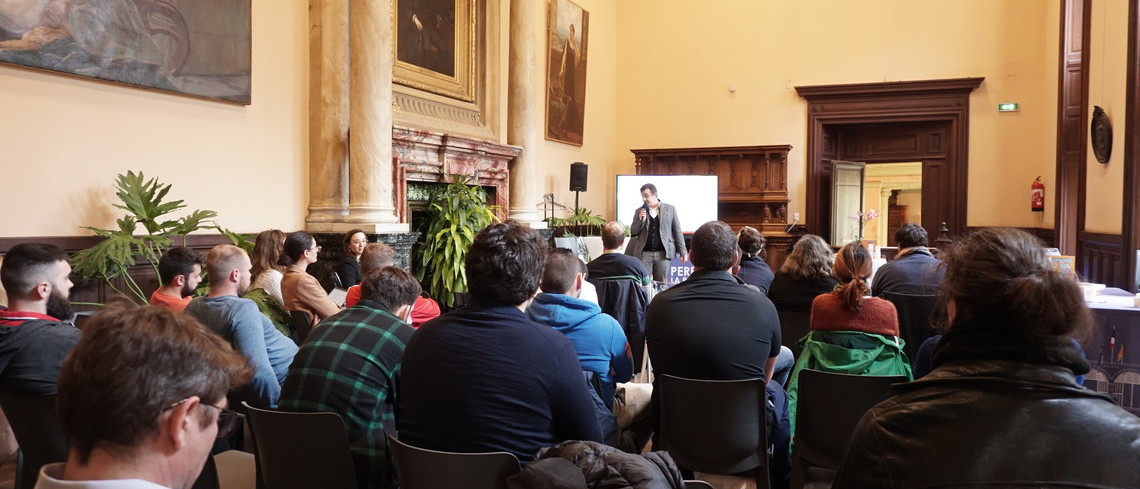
(694, 196)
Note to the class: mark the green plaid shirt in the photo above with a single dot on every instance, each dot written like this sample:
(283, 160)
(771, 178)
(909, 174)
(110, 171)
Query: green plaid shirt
(347, 366)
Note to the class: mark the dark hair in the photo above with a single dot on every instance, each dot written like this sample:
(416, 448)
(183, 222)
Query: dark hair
(1002, 274)
(910, 235)
(376, 255)
(390, 287)
(852, 268)
(129, 366)
(652, 188)
(714, 246)
(562, 267)
(267, 249)
(348, 237)
(504, 264)
(178, 260)
(296, 244)
(28, 264)
(613, 234)
(751, 241)
(810, 258)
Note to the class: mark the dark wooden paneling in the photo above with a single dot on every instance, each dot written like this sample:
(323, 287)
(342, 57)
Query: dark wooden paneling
(881, 121)
(1130, 218)
(1072, 114)
(1100, 259)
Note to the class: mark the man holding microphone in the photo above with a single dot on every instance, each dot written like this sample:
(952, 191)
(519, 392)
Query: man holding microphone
(656, 234)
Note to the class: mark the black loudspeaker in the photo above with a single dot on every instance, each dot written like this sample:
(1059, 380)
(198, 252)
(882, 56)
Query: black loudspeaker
(578, 172)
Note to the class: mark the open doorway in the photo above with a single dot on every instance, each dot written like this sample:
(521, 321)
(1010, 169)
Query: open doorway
(870, 201)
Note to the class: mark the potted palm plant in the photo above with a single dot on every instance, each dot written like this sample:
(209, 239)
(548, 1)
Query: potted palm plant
(456, 212)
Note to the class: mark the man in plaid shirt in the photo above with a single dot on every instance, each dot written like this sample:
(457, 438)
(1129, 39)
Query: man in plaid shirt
(347, 366)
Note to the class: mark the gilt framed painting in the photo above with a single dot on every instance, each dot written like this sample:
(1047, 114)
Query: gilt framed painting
(568, 36)
(435, 47)
(200, 48)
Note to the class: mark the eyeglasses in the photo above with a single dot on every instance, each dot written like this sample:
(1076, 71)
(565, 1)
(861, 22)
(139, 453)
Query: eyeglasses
(316, 248)
(228, 420)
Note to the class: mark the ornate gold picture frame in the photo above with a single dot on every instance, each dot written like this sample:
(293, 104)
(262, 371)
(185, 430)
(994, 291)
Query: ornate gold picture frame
(435, 46)
(568, 41)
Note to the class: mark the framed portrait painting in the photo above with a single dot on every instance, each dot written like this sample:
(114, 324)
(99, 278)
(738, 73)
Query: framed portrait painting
(200, 48)
(568, 37)
(435, 46)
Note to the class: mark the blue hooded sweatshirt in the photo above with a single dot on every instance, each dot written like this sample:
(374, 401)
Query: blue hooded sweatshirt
(598, 338)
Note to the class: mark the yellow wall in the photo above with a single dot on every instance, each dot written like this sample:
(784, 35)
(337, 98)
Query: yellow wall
(678, 59)
(1108, 71)
(64, 139)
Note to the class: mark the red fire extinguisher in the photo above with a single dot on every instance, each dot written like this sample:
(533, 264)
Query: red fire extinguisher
(1037, 196)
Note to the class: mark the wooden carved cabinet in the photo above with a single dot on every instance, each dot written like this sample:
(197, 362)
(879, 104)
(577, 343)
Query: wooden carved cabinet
(752, 185)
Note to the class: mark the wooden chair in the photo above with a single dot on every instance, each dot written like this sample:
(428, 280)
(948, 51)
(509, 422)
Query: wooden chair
(35, 422)
(715, 426)
(420, 468)
(829, 407)
(300, 450)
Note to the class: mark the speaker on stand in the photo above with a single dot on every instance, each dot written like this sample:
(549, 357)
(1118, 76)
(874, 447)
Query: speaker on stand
(578, 172)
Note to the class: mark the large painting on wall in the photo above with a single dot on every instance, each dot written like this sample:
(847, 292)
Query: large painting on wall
(194, 47)
(435, 46)
(566, 72)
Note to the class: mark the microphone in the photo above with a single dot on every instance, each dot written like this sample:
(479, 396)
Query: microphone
(645, 209)
(794, 222)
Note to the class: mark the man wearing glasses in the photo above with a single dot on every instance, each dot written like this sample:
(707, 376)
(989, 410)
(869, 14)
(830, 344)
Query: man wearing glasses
(142, 398)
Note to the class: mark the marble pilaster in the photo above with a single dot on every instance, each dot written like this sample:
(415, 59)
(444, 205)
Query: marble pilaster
(524, 119)
(328, 111)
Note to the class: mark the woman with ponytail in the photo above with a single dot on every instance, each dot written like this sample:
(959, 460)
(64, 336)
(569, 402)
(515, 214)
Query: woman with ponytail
(849, 308)
(1001, 407)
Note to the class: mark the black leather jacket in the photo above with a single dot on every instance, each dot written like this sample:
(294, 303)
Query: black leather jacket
(994, 421)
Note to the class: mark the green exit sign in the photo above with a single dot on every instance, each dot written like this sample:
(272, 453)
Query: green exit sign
(1009, 107)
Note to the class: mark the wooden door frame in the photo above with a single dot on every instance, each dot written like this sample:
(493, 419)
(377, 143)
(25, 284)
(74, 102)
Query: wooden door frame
(922, 101)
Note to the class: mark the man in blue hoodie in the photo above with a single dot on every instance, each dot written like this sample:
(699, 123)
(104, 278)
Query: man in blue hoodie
(598, 338)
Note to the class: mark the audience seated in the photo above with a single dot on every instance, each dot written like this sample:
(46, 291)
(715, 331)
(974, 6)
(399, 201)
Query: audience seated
(380, 255)
(267, 272)
(851, 333)
(301, 291)
(619, 280)
(179, 272)
(914, 271)
(597, 337)
(33, 338)
(805, 274)
(239, 322)
(1001, 407)
(487, 377)
(614, 263)
(753, 269)
(711, 327)
(348, 366)
(349, 271)
(142, 398)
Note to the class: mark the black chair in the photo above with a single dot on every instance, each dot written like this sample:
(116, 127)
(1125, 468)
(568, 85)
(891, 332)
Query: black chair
(300, 450)
(915, 314)
(420, 468)
(828, 407)
(35, 422)
(301, 324)
(793, 326)
(715, 426)
(694, 484)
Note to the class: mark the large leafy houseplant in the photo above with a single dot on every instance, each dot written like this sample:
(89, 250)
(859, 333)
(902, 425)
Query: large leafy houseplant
(456, 212)
(582, 222)
(121, 249)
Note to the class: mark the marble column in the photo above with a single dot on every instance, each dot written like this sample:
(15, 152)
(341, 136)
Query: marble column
(371, 204)
(328, 111)
(524, 108)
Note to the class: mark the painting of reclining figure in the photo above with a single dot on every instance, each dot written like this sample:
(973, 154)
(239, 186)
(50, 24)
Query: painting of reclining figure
(194, 47)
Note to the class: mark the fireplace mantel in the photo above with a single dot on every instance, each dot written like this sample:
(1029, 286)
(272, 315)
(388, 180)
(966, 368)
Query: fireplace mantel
(427, 156)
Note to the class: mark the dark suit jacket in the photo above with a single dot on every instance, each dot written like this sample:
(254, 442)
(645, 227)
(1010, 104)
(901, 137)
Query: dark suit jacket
(671, 235)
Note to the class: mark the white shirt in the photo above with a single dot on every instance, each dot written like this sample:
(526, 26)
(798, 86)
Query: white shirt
(50, 473)
(589, 292)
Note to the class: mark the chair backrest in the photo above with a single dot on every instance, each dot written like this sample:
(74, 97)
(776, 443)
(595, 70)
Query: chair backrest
(715, 426)
(695, 484)
(915, 314)
(300, 450)
(35, 422)
(827, 410)
(420, 468)
(793, 326)
(625, 299)
(301, 324)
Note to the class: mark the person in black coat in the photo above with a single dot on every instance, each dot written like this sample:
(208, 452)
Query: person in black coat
(349, 269)
(753, 269)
